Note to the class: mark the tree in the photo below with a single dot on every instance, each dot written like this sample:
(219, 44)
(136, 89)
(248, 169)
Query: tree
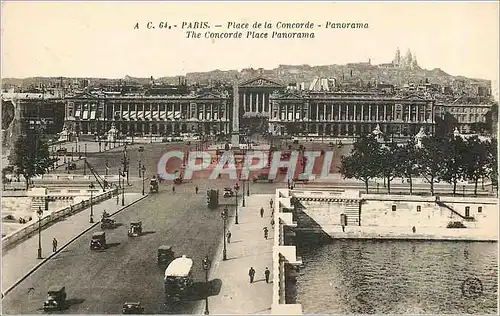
(362, 163)
(446, 125)
(492, 148)
(406, 156)
(476, 160)
(387, 168)
(453, 164)
(430, 159)
(31, 156)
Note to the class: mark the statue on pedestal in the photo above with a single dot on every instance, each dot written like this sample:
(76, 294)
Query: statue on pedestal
(64, 135)
(420, 135)
(378, 133)
(112, 133)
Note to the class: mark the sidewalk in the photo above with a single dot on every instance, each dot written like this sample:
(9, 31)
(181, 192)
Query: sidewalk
(248, 248)
(19, 260)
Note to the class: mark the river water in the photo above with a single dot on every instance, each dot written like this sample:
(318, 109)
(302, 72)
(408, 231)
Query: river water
(396, 277)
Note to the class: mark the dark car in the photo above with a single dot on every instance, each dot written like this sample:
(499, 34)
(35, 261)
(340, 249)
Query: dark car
(264, 177)
(132, 308)
(108, 223)
(98, 241)
(141, 149)
(62, 151)
(165, 255)
(135, 229)
(56, 298)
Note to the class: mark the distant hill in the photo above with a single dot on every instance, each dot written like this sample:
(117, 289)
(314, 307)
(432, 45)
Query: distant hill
(361, 73)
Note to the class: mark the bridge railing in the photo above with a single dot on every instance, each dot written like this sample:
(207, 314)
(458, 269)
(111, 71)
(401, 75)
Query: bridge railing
(30, 228)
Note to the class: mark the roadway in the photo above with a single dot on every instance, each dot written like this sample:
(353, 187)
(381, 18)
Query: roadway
(99, 282)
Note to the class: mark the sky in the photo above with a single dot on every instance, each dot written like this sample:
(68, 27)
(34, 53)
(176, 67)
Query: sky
(98, 39)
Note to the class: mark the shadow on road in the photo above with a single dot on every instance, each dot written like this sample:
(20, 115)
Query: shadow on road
(199, 290)
(113, 244)
(148, 232)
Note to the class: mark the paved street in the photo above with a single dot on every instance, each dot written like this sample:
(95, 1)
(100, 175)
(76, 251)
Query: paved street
(100, 282)
(19, 259)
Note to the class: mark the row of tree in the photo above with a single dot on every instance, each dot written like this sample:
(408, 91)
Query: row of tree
(436, 158)
(30, 157)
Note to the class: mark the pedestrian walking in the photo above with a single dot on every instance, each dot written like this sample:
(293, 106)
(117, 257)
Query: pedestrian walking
(251, 274)
(54, 245)
(272, 223)
(267, 273)
(261, 212)
(271, 203)
(265, 232)
(196, 190)
(343, 228)
(414, 230)
(228, 235)
(173, 189)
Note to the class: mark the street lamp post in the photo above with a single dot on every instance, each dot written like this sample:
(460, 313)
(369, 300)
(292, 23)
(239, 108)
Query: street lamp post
(123, 191)
(91, 187)
(236, 189)
(206, 266)
(140, 169)
(223, 214)
(143, 170)
(40, 214)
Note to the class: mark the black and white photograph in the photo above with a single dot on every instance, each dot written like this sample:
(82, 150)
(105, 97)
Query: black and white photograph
(239, 157)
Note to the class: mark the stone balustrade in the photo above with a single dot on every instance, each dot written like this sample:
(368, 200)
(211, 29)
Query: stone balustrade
(284, 257)
(31, 227)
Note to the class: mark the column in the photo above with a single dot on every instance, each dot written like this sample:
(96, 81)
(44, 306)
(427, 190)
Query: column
(362, 112)
(378, 117)
(355, 113)
(417, 113)
(251, 103)
(347, 112)
(332, 113)
(370, 112)
(245, 102)
(385, 112)
(324, 115)
(340, 111)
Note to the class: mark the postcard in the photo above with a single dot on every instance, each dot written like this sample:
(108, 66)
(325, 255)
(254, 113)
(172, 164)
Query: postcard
(279, 158)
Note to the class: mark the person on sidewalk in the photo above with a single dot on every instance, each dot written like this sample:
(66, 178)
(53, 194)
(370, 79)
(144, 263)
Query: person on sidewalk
(251, 274)
(261, 212)
(173, 189)
(271, 203)
(343, 228)
(228, 235)
(54, 245)
(414, 230)
(196, 189)
(267, 273)
(265, 232)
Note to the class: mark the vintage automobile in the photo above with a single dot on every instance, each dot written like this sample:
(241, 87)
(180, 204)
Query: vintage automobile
(132, 308)
(153, 185)
(228, 192)
(98, 241)
(263, 177)
(72, 166)
(165, 255)
(62, 151)
(304, 178)
(141, 149)
(56, 298)
(178, 278)
(108, 223)
(135, 229)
